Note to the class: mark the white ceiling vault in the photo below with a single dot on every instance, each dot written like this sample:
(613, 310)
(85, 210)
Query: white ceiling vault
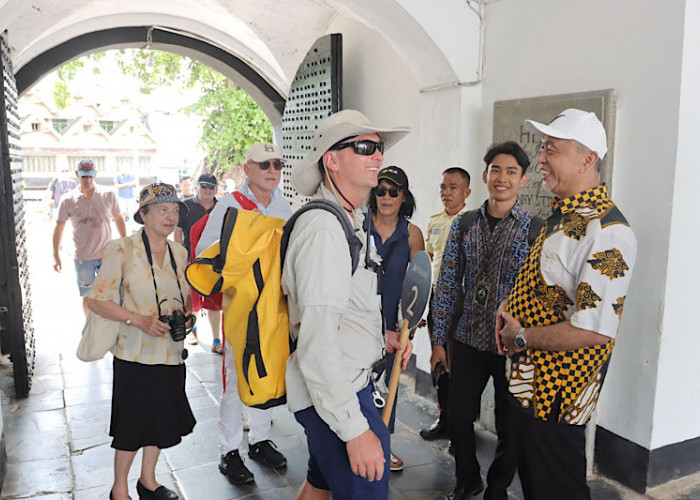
(271, 36)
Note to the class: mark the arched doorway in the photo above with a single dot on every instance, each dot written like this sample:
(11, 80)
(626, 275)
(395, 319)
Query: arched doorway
(261, 48)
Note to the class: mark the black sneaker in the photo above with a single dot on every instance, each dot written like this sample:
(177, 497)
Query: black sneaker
(436, 430)
(266, 453)
(232, 467)
(465, 492)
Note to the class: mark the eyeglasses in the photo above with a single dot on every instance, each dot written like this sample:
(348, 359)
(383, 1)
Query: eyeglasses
(381, 191)
(364, 147)
(207, 185)
(278, 164)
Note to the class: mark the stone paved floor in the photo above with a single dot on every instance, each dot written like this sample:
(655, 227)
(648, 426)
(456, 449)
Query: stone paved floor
(58, 447)
(57, 442)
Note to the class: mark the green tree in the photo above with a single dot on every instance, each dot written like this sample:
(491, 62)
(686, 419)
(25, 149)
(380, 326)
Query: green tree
(232, 123)
(231, 119)
(65, 74)
(153, 68)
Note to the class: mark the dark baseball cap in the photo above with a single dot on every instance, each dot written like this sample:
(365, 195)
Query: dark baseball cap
(395, 175)
(207, 179)
(86, 168)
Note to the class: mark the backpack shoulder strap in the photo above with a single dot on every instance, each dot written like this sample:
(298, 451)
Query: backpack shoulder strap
(226, 231)
(218, 262)
(245, 202)
(465, 221)
(196, 233)
(354, 243)
(536, 226)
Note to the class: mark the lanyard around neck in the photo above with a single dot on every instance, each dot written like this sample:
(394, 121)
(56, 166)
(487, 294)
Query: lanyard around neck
(147, 246)
(490, 238)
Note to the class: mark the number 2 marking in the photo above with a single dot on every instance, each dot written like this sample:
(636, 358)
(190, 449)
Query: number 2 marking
(409, 309)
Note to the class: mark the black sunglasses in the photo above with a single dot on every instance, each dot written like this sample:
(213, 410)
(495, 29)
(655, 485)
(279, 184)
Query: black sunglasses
(381, 191)
(364, 147)
(207, 185)
(278, 164)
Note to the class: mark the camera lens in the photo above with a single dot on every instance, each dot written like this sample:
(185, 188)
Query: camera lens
(177, 322)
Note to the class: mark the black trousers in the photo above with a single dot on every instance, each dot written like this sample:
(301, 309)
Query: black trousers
(551, 458)
(470, 370)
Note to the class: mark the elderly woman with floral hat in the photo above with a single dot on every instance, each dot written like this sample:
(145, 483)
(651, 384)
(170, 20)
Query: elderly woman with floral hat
(145, 273)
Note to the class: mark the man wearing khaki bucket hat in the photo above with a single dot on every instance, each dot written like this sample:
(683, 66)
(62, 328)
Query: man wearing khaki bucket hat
(335, 315)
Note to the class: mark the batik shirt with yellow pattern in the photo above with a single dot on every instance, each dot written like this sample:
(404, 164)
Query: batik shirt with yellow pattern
(578, 269)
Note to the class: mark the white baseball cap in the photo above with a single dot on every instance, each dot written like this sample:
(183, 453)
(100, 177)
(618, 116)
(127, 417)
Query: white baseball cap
(306, 177)
(574, 124)
(263, 151)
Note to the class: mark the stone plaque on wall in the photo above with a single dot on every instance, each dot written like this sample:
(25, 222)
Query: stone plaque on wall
(508, 119)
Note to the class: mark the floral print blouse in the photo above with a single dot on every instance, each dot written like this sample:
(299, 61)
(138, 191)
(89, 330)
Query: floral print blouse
(134, 344)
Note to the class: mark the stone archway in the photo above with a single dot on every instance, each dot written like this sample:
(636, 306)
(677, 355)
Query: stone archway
(268, 98)
(265, 42)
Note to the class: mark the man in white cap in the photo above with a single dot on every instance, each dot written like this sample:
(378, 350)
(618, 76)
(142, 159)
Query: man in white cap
(335, 315)
(260, 191)
(561, 317)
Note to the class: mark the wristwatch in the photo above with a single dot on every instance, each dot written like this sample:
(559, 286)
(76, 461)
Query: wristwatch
(520, 341)
(128, 320)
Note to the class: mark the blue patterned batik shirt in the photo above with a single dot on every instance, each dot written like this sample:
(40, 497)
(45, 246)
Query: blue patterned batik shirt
(483, 261)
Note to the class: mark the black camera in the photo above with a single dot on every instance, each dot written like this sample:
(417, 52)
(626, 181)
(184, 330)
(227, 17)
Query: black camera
(177, 321)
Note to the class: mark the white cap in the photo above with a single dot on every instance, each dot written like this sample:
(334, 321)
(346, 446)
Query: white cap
(263, 151)
(574, 124)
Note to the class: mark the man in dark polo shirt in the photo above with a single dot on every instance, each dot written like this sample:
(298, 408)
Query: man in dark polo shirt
(198, 206)
(561, 318)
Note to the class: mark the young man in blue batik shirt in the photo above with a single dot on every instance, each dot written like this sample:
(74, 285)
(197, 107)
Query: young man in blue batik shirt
(479, 267)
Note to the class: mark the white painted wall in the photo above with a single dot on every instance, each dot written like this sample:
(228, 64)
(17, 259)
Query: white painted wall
(454, 27)
(677, 393)
(553, 47)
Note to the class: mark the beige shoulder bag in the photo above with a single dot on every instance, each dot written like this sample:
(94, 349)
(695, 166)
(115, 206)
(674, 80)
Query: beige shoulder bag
(99, 333)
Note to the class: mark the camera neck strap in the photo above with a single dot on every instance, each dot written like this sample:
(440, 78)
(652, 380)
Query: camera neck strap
(149, 256)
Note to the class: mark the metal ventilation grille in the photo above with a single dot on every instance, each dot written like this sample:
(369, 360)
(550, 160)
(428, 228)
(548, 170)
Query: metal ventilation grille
(315, 93)
(17, 324)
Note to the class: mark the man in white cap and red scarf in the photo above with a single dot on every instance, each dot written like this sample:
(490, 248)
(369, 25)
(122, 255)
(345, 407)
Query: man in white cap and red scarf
(335, 315)
(260, 191)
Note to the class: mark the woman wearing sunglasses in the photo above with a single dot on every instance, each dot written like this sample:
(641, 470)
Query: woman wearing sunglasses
(397, 240)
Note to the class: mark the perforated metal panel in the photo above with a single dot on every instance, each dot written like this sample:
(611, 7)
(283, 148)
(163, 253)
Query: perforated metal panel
(315, 93)
(16, 324)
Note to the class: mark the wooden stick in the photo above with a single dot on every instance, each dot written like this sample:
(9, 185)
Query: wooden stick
(395, 374)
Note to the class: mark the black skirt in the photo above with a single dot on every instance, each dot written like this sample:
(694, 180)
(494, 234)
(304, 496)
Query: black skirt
(149, 406)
